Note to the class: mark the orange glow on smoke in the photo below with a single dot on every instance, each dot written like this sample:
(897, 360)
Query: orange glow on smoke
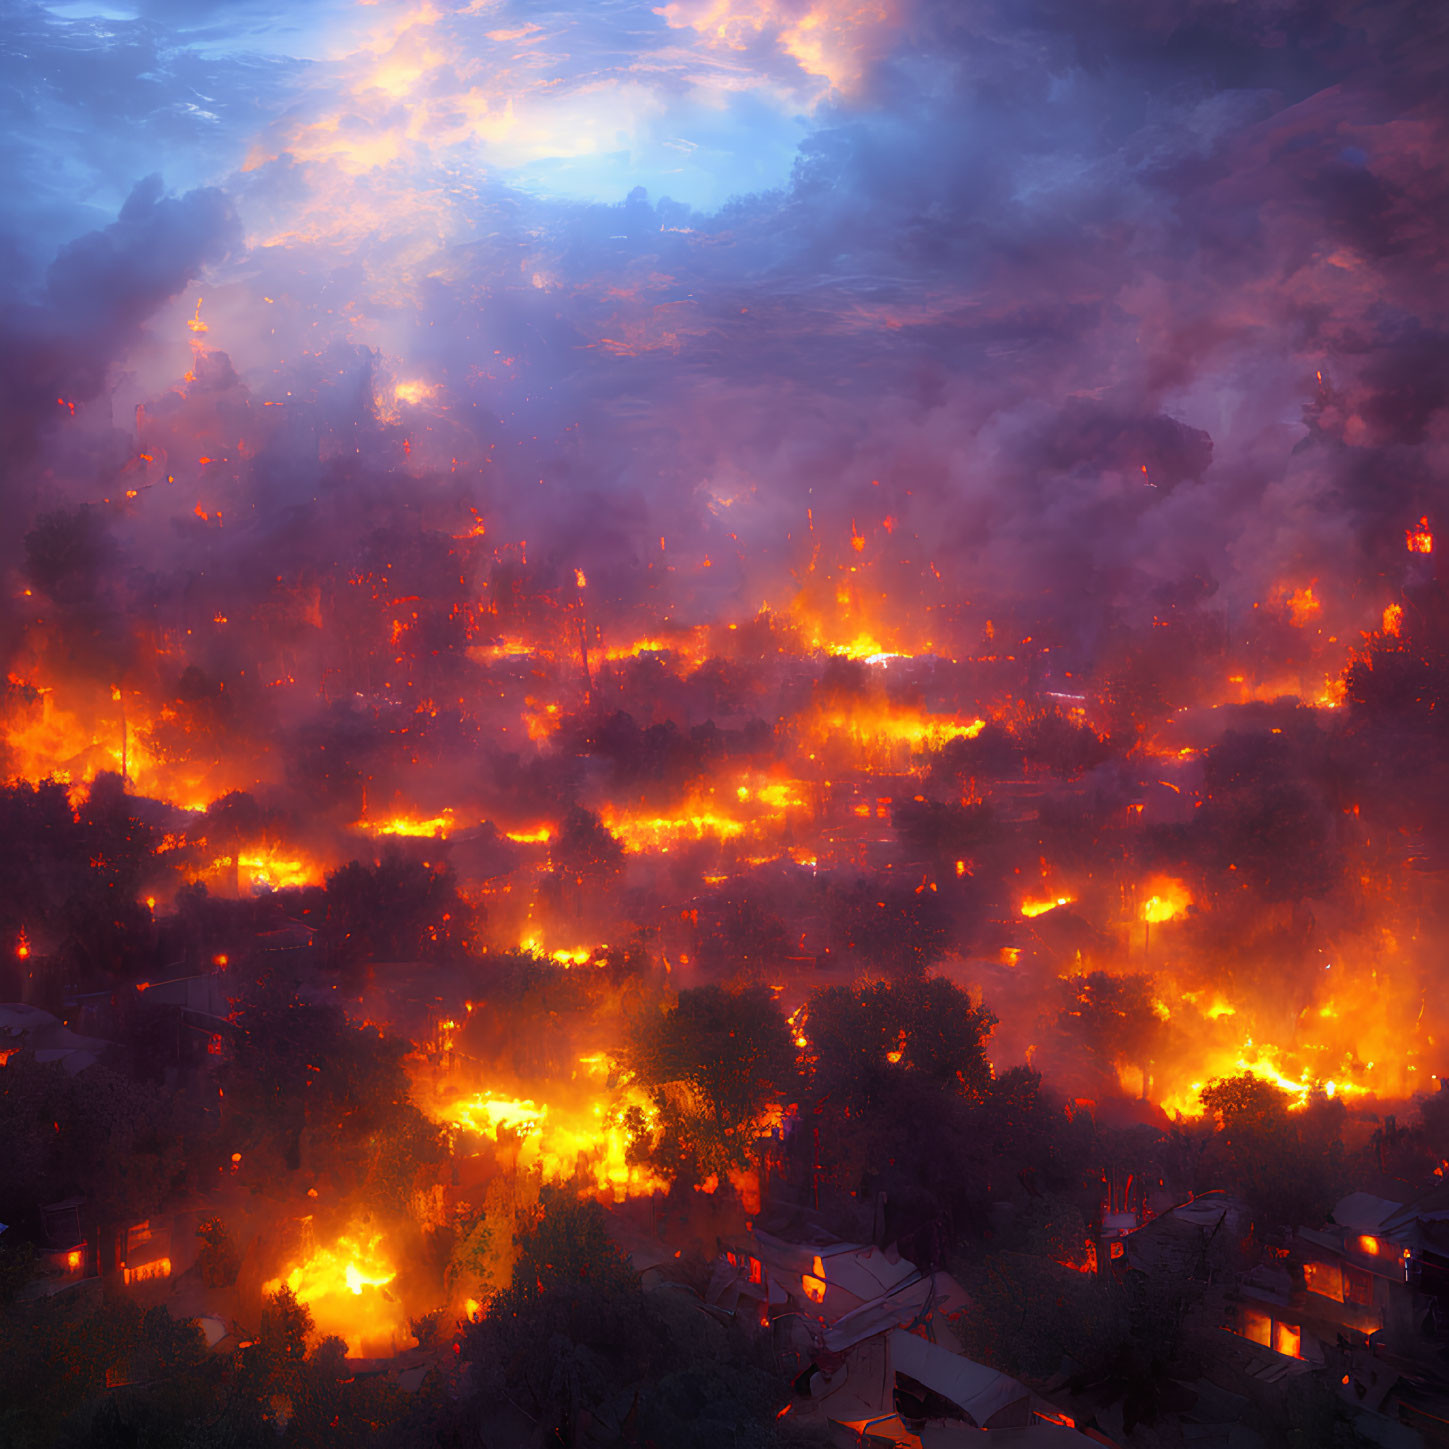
(1303, 606)
(414, 392)
(274, 867)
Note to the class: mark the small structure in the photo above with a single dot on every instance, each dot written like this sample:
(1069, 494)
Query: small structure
(143, 1252)
(833, 1289)
(1363, 1301)
(65, 1258)
(1182, 1243)
(895, 1387)
(872, 1333)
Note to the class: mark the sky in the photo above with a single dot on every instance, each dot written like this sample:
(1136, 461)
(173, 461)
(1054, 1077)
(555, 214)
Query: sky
(1083, 310)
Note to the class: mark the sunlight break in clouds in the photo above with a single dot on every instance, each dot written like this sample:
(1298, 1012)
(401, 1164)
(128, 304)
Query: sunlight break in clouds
(582, 105)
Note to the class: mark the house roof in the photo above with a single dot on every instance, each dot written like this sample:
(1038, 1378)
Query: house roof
(1203, 1212)
(862, 1390)
(1429, 1206)
(854, 1273)
(1362, 1212)
(982, 1392)
(936, 1292)
(1321, 1240)
(1175, 1242)
(866, 1272)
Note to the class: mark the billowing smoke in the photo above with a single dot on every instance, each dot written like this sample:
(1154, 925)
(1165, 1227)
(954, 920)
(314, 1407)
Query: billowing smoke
(505, 411)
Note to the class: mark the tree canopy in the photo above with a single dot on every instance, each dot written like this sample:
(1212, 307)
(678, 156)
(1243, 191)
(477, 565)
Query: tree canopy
(863, 1037)
(715, 1063)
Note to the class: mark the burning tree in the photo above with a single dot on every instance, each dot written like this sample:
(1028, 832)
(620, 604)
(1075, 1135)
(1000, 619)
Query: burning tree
(1401, 682)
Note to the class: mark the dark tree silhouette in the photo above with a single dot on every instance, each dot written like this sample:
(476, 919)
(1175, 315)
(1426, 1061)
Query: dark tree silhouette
(715, 1063)
(399, 909)
(1288, 1165)
(891, 927)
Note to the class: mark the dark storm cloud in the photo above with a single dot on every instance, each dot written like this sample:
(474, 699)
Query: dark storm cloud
(1040, 248)
(1006, 281)
(58, 349)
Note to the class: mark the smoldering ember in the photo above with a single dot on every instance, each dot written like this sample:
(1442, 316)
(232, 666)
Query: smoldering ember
(724, 724)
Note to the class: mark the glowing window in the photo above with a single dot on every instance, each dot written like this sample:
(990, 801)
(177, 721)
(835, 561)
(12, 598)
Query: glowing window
(1287, 1339)
(1258, 1327)
(144, 1272)
(1324, 1278)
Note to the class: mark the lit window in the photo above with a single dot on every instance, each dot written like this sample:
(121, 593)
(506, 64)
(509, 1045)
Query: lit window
(144, 1272)
(1324, 1278)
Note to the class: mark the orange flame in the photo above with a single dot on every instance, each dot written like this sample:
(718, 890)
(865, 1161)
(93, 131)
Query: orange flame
(1170, 898)
(345, 1287)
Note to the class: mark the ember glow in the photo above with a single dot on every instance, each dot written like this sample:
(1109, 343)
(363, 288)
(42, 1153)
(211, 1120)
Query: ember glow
(526, 524)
